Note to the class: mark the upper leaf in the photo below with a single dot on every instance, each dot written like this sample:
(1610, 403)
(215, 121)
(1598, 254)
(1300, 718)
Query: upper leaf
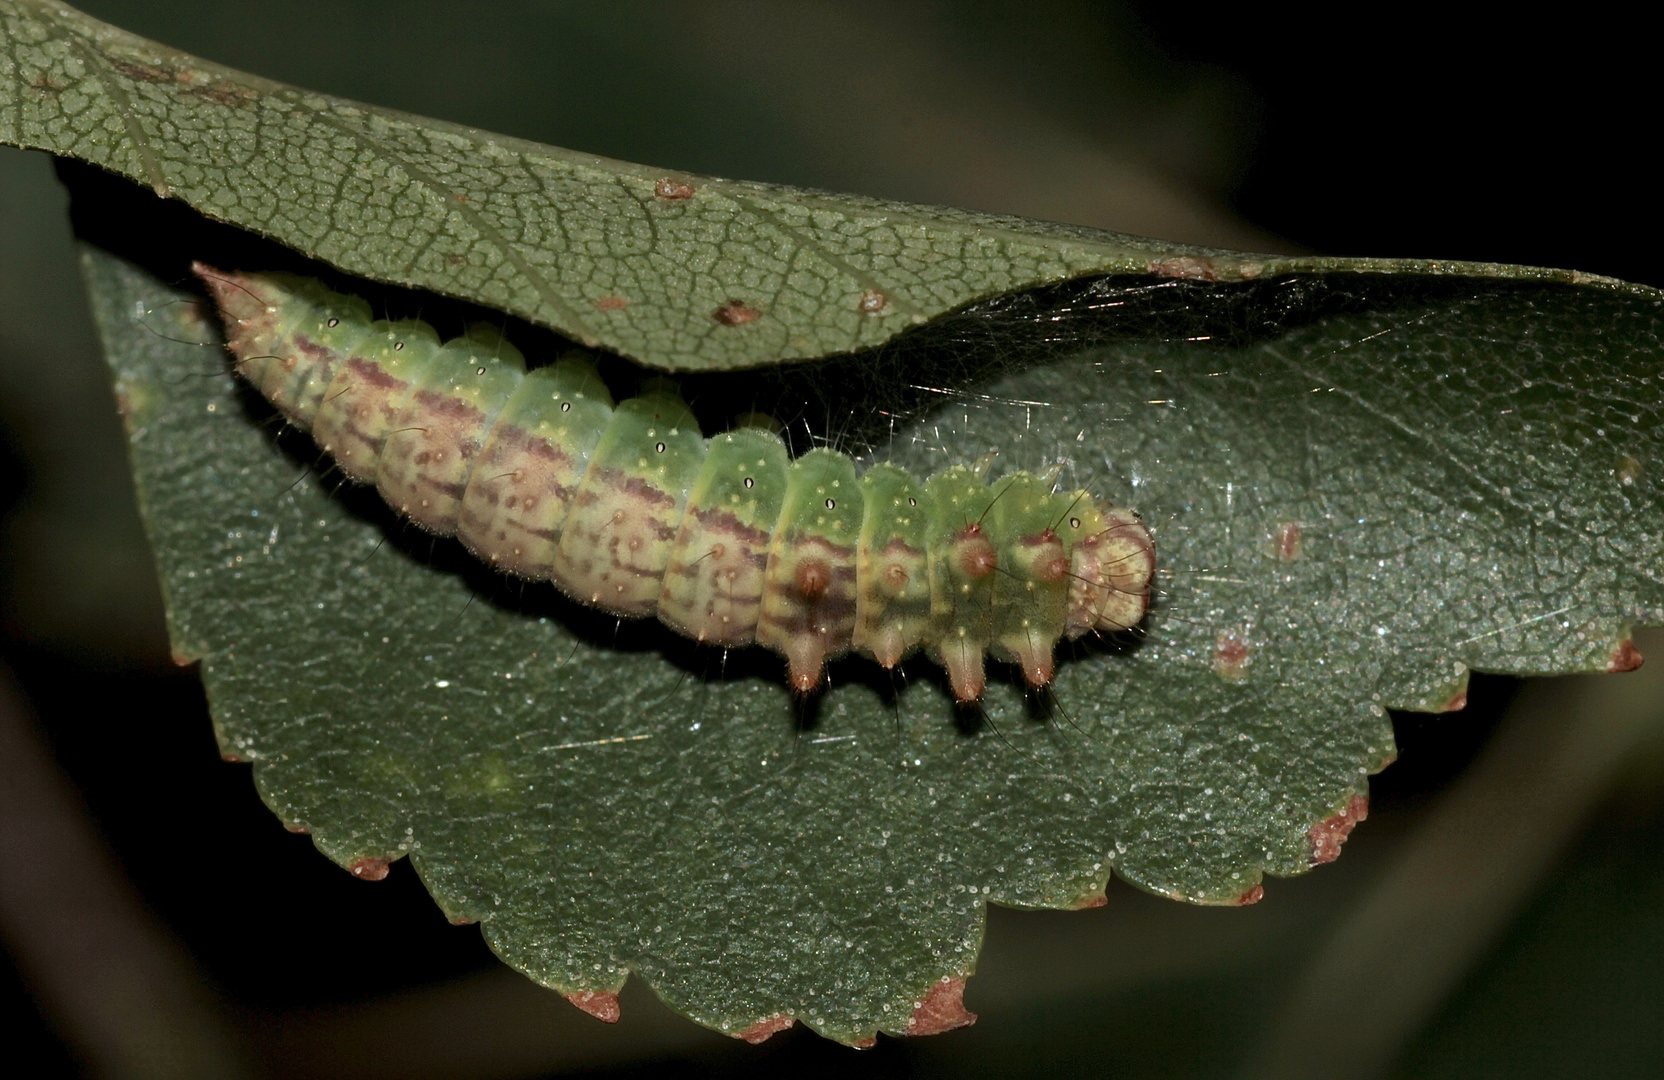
(636, 259)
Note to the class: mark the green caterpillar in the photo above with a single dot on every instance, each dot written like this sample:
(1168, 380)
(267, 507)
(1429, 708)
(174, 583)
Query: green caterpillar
(628, 508)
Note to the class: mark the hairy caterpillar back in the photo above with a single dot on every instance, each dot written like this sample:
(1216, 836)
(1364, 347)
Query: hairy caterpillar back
(629, 508)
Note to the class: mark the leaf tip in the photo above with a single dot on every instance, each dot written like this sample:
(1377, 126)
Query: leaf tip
(766, 1028)
(370, 869)
(601, 1004)
(1626, 657)
(1328, 835)
(942, 1009)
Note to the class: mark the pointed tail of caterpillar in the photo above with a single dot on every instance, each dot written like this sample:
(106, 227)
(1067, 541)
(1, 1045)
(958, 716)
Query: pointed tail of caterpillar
(727, 540)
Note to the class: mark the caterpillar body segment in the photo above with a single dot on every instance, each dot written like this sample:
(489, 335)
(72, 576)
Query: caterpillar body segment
(809, 586)
(530, 464)
(629, 508)
(617, 539)
(892, 567)
(713, 589)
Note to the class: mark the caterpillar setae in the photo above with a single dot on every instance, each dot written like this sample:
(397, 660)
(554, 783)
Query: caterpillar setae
(628, 508)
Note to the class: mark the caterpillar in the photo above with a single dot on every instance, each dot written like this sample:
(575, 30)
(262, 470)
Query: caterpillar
(629, 508)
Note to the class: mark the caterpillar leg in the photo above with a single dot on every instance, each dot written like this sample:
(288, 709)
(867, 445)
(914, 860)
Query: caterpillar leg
(967, 671)
(808, 613)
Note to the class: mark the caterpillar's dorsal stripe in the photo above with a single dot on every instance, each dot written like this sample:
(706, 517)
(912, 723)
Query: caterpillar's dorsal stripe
(628, 507)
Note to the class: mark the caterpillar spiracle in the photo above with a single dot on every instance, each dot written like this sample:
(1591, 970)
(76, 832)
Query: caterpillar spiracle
(728, 540)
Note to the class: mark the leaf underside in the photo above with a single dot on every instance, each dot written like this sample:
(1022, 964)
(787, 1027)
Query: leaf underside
(1358, 494)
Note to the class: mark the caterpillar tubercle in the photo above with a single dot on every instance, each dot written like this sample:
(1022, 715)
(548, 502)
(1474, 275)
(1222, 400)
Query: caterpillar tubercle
(727, 540)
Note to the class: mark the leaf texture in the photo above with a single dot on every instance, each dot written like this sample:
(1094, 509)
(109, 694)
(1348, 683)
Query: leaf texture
(638, 260)
(1358, 494)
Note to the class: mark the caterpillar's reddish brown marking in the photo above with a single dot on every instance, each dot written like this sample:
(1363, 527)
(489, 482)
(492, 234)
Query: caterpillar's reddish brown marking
(629, 508)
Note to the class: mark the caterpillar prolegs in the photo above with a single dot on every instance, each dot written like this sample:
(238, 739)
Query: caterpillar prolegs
(629, 508)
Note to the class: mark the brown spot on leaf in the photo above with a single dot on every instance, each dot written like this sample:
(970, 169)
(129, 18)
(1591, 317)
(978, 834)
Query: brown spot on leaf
(462, 920)
(1252, 896)
(1626, 657)
(1456, 703)
(233, 758)
(460, 198)
(612, 303)
(1090, 900)
(601, 1004)
(1232, 654)
(872, 302)
(301, 829)
(1287, 541)
(454, 259)
(942, 1009)
(142, 72)
(735, 313)
(1185, 268)
(369, 869)
(865, 1044)
(230, 94)
(1328, 835)
(763, 1030)
(669, 188)
(47, 86)
(180, 658)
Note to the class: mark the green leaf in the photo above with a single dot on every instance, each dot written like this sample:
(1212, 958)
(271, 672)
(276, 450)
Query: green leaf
(1358, 498)
(582, 244)
(1362, 487)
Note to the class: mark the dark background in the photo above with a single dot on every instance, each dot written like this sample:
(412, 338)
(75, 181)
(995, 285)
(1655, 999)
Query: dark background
(1255, 127)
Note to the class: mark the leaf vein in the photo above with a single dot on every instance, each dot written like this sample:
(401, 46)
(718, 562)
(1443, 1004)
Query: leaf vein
(544, 287)
(148, 161)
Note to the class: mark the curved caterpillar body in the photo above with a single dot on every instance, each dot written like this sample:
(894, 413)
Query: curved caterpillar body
(727, 540)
